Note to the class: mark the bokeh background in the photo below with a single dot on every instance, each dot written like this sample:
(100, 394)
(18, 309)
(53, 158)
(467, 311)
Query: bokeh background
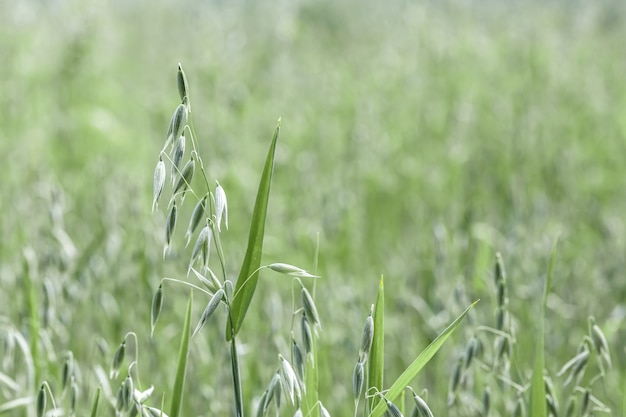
(418, 139)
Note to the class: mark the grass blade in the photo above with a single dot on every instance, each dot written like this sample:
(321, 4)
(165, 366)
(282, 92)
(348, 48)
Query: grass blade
(376, 360)
(414, 368)
(248, 275)
(183, 353)
(94, 408)
(538, 406)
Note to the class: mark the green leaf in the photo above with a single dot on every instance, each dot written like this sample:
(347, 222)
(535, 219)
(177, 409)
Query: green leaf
(181, 371)
(248, 275)
(538, 406)
(94, 408)
(414, 368)
(377, 353)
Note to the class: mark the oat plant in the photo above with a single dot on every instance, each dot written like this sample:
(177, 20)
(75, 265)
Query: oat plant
(296, 373)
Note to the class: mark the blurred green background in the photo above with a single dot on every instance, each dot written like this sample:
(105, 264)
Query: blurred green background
(418, 138)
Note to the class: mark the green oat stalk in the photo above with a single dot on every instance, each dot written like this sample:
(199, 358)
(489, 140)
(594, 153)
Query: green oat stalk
(538, 406)
(249, 273)
(414, 368)
(183, 354)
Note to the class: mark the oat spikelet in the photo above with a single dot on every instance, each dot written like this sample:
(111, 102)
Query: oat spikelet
(214, 302)
(159, 182)
(221, 207)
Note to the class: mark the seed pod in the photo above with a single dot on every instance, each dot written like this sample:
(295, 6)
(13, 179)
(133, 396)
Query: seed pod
(552, 405)
(366, 339)
(179, 153)
(73, 396)
(68, 369)
(358, 378)
(601, 344)
(185, 177)
(178, 120)
(298, 360)
(118, 358)
(307, 335)
(499, 272)
(309, 307)
(158, 183)
(41, 401)
(393, 410)
(214, 302)
(470, 349)
(290, 270)
(221, 207)
(260, 411)
(170, 226)
(422, 408)
(129, 391)
(201, 246)
(298, 413)
(153, 412)
(290, 381)
(486, 401)
(182, 83)
(120, 403)
(157, 305)
(273, 391)
(501, 289)
(196, 216)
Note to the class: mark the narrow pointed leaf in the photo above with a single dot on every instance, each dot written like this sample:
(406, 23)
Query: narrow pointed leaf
(183, 353)
(376, 358)
(245, 287)
(416, 366)
(538, 406)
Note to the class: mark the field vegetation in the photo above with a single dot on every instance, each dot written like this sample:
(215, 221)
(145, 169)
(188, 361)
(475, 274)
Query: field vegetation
(430, 154)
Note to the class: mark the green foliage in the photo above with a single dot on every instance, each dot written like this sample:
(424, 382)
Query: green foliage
(249, 273)
(181, 370)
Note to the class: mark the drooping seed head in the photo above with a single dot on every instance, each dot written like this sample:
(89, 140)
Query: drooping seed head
(600, 343)
(570, 408)
(221, 207)
(501, 289)
(552, 405)
(201, 246)
(177, 159)
(157, 305)
(273, 391)
(261, 408)
(290, 381)
(306, 333)
(41, 401)
(170, 226)
(309, 307)
(499, 272)
(212, 305)
(470, 350)
(291, 270)
(182, 83)
(158, 183)
(185, 177)
(298, 413)
(68, 369)
(502, 318)
(298, 360)
(486, 401)
(73, 395)
(392, 410)
(585, 402)
(118, 358)
(179, 119)
(422, 408)
(196, 215)
(129, 391)
(358, 379)
(366, 339)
